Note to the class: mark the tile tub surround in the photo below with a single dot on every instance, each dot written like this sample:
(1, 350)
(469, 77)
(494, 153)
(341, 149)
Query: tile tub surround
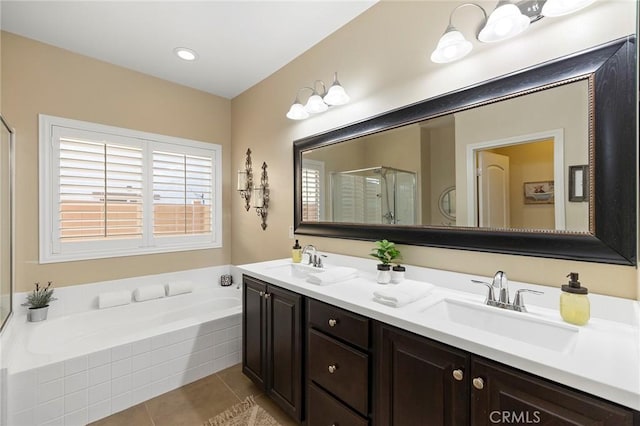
(603, 360)
(81, 389)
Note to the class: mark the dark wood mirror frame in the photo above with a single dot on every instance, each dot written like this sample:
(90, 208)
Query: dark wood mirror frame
(612, 68)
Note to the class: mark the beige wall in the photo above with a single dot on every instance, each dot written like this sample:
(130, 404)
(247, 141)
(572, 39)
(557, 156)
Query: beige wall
(39, 78)
(442, 169)
(382, 60)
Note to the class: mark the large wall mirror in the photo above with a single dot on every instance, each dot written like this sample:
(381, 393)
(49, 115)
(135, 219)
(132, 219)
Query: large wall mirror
(540, 162)
(6, 270)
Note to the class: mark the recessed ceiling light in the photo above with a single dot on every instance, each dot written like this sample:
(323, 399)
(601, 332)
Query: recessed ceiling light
(186, 53)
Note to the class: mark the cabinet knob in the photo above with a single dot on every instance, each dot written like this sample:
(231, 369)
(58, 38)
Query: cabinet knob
(332, 322)
(478, 383)
(261, 293)
(333, 368)
(267, 295)
(458, 374)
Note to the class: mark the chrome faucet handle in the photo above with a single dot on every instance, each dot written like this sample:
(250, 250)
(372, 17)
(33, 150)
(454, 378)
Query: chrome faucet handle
(490, 300)
(518, 300)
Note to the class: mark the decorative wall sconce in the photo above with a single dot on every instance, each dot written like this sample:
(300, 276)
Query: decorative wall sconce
(319, 100)
(245, 181)
(261, 196)
(508, 19)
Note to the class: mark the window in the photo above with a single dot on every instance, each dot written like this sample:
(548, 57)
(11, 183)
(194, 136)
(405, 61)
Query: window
(107, 192)
(312, 190)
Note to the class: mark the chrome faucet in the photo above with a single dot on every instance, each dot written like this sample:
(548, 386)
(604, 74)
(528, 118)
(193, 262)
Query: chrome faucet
(314, 259)
(501, 283)
(306, 249)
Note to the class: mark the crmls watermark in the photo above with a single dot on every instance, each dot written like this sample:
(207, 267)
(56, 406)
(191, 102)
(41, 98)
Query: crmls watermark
(515, 417)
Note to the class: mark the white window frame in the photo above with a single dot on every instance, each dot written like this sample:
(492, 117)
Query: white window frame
(50, 248)
(318, 166)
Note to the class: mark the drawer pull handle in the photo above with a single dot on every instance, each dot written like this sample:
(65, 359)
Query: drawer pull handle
(332, 322)
(478, 383)
(332, 368)
(458, 374)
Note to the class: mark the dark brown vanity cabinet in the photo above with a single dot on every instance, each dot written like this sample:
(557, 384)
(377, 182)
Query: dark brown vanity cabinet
(422, 382)
(272, 342)
(338, 366)
(503, 395)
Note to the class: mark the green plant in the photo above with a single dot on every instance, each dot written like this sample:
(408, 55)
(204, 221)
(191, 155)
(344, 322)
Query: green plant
(386, 252)
(40, 297)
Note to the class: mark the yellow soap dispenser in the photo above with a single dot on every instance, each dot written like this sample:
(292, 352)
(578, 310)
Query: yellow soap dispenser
(296, 253)
(574, 302)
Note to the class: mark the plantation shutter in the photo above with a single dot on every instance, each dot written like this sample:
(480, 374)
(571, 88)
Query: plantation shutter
(182, 194)
(311, 203)
(99, 189)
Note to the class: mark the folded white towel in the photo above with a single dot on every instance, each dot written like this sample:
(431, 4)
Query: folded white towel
(149, 292)
(178, 287)
(401, 294)
(114, 298)
(333, 275)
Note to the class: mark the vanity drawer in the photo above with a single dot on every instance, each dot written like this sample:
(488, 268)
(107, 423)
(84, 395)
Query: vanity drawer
(337, 322)
(340, 369)
(325, 410)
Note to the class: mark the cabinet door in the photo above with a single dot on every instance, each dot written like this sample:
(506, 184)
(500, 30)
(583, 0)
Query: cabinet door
(284, 349)
(509, 396)
(415, 384)
(254, 330)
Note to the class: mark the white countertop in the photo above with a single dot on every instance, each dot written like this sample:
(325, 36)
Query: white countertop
(604, 359)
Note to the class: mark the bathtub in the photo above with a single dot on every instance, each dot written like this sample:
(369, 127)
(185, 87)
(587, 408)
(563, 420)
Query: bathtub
(75, 369)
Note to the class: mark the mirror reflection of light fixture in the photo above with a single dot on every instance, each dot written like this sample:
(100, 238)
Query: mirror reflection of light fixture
(245, 180)
(320, 99)
(261, 197)
(508, 19)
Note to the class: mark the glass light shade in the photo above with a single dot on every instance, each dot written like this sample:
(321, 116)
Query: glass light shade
(505, 21)
(315, 104)
(564, 7)
(297, 111)
(258, 198)
(336, 95)
(242, 180)
(451, 46)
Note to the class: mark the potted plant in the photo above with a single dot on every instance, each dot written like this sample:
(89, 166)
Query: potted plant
(386, 252)
(38, 302)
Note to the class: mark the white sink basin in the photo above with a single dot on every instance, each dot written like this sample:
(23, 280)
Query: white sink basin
(541, 332)
(297, 270)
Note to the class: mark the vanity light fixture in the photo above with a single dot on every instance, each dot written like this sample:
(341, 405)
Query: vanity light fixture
(508, 19)
(245, 181)
(185, 53)
(261, 196)
(320, 99)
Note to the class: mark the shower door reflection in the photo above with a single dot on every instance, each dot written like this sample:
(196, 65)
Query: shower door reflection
(375, 195)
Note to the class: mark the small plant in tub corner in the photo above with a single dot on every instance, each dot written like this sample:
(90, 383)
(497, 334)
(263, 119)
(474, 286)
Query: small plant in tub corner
(386, 252)
(38, 302)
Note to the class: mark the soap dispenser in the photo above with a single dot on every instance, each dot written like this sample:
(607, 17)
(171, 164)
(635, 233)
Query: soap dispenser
(296, 253)
(574, 302)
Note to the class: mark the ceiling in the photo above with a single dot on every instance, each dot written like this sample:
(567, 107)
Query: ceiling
(239, 43)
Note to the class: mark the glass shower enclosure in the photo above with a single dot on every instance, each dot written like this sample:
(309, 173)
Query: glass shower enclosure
(376, 195)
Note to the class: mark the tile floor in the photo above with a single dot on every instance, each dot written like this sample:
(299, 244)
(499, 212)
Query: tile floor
(195, 403)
